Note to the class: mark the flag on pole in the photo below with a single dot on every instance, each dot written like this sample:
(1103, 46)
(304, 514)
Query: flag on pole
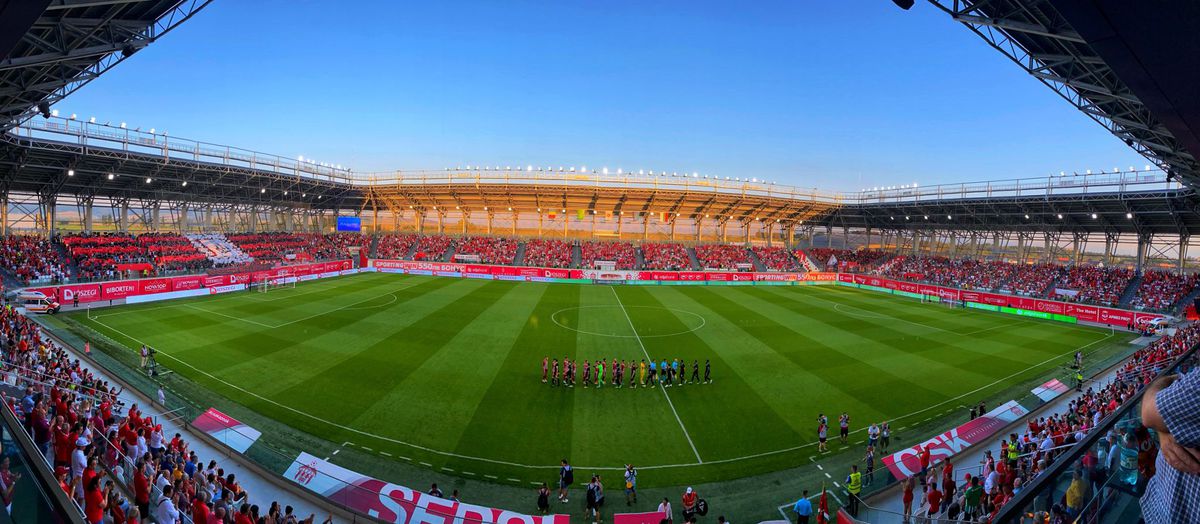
(579, 214)
(823, 507)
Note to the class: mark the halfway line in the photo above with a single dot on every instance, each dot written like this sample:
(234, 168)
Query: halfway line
(660, 386)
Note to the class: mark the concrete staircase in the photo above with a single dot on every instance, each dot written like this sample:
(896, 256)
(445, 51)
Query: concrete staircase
(1053, 284)
(576, 255)
(1183, 302)
(804, 262)
(412, 251)
(519, 258)
(691, 252)
(758, 265)
(72, 269)
(1130, 291)
(639, 261)
(373, 246)
(449, 256)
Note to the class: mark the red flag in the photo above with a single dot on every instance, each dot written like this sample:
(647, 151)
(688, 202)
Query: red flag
(823, 507)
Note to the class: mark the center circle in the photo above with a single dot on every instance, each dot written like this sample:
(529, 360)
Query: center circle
(619, 319)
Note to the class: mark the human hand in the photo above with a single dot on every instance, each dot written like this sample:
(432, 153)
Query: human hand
(1185, 460)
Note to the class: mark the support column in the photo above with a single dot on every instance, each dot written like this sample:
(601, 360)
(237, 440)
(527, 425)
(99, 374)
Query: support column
(791, 238)
(123, 218)
(829, 236)
(419, 222)
(155, 216)
(375, 219)
(645, 226)
(1143, 244)
(1183, 248)
(4, 215)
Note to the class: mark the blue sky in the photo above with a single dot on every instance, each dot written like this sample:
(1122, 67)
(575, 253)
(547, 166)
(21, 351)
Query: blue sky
(837, 95)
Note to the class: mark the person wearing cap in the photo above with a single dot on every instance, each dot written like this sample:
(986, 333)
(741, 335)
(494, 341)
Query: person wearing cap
(689, 505)
(78, 464)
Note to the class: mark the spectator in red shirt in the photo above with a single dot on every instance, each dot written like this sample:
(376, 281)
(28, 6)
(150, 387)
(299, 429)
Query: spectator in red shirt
(95, 500)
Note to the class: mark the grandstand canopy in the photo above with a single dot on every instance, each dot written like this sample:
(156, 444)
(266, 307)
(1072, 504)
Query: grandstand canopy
(1131, 66)
(50, 48)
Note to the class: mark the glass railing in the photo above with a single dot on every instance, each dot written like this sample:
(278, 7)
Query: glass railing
(35, 495)
(1100, 479)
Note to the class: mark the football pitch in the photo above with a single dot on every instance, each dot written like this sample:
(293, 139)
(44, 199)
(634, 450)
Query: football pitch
(447, 373)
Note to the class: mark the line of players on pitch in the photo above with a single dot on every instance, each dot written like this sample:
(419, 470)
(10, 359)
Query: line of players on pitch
(639, 373)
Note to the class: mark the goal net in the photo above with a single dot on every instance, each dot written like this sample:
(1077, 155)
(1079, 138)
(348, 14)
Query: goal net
(274, 283)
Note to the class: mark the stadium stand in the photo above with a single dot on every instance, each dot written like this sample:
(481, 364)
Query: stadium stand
(621, 253)
(490, 250)
(336, 245)
(33, 259)
(97, 255)
(722, 256)
(432, 247)
(1160, 290)
(1049, 436)
(776, 258)
(855, 261)
(218, 249)
(270, 246)
(668, 257)
(172, 252)
(1032, 280)
(395, 246)
(547, 253)
(1095, 285)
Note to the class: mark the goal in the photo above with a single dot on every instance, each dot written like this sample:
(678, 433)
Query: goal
(274, 283)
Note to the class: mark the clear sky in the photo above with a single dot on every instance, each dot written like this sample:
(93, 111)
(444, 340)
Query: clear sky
(838, 95)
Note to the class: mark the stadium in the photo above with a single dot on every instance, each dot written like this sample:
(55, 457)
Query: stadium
(196, 331)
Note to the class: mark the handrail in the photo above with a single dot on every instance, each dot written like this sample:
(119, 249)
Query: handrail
(1011, 512)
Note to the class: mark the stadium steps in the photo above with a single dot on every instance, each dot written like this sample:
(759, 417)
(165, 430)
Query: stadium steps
(449, 256)
(638, 259)
(1183, 302)
(412, 251)
(691, 252)
(373, 247)
(1130, 291)
(807, 262)
(519, 258)
(758, 265)
(576, 255)
(72, 269)
(1053, 285)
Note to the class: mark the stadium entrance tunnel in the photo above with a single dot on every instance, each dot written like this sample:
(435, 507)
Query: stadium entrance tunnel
(618, 321)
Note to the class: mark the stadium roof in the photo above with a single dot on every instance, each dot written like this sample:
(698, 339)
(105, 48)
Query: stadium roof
(1130, 66)
(50, 48)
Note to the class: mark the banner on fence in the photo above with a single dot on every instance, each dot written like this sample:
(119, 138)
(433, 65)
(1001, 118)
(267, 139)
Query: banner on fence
(1050, 390)
(907, 462)
(227, 430)
(397, 504)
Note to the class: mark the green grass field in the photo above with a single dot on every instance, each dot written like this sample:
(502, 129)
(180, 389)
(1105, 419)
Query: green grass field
(446, 373)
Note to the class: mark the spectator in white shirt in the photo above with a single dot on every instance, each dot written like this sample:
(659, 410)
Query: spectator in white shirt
(164, 509)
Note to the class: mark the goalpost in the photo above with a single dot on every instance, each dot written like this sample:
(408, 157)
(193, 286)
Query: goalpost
(273, 283)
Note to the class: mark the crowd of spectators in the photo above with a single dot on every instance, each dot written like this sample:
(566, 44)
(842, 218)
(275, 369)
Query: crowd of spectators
(110, 255)
(218, 249)
(722, 256)
(981, 497)
(33, 258)
(623, 254)
(94, 442)
(541, 252)
(395, 247)
(776, 258)
(490, 250)
(1032, 280)
(665, 257)
(1160, 290)
(432, 247)
(271, 245)
(859, 260)
(1096, 285)
(967, 273)
(336, 245)
(96, 255)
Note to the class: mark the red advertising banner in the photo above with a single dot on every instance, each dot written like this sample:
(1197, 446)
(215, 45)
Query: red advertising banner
(84, 292)
(397, 504)
(186, 283)
(118, 289)
(153, 285)
(907, 462)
